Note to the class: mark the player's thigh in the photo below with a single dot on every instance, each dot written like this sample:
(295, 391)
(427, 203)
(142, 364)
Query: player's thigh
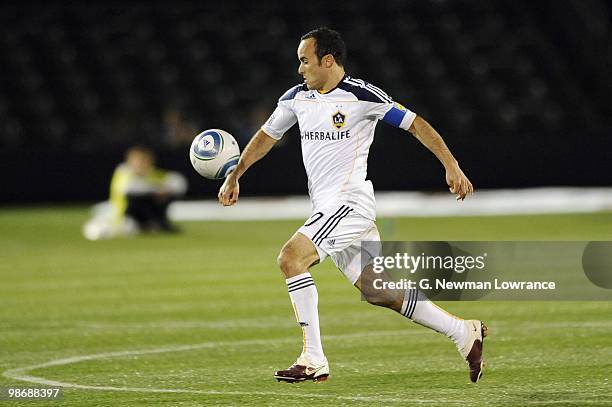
(363, 247)
(297, 255)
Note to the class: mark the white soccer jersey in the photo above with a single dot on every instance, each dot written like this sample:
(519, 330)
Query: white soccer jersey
(337, 129)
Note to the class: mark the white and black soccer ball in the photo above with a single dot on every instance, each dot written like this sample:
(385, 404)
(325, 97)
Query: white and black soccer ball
(214, 154)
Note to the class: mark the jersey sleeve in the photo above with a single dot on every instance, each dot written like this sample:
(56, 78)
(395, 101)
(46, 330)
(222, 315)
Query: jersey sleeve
(283, 117)
(379, 105)
(281, 120)
(118, 187)
(393, 113)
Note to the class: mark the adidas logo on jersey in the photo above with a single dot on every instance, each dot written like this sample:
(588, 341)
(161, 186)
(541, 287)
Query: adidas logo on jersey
(331, 242)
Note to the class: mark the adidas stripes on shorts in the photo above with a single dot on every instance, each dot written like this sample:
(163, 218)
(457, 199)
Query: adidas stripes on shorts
(337, 231)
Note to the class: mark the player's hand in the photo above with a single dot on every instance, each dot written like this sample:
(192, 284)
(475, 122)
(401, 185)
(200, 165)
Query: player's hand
(458, 183)
(228, 193)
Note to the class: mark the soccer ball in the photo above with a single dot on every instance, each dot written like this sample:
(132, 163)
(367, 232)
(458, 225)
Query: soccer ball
(214, 154)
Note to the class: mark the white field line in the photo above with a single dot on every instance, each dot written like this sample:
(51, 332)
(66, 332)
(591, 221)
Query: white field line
(551, 200)
(250, 323)
(106, 325)
(21, 373)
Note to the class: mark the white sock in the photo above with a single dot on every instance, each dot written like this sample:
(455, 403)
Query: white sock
(304, 296)
(418, 308)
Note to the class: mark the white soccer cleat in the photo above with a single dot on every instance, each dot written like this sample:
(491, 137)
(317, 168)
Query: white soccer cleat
(472, 350)
(303, 370)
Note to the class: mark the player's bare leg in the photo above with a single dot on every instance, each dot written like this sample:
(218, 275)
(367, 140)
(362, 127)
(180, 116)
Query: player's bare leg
(468, 335)
(296, 257)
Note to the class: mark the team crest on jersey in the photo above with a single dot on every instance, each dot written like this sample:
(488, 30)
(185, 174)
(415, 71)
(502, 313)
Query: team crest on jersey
(339, 119)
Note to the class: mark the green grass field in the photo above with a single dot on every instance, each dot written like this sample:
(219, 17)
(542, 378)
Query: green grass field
(203, 318)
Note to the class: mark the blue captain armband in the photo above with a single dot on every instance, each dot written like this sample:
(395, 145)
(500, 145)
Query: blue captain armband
(399, 116)
(395, 115)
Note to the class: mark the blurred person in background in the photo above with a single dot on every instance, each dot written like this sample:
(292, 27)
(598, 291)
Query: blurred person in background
(139, 197)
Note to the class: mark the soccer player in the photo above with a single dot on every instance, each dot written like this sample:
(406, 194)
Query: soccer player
(139, 197)
(337, 116)
(141, 191)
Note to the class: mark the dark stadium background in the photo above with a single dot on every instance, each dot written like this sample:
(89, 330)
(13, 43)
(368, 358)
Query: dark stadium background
(520, 90)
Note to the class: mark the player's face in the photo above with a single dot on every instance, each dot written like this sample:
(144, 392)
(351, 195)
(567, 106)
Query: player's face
(140, 163)
(311, 69)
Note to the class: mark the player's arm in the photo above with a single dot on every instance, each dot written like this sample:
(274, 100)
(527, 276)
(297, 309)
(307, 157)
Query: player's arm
(457, 181)
(257, 148)
(281, 120)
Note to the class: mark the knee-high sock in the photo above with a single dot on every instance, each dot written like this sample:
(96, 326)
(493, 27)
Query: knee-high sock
(305, 298)
(421, 310)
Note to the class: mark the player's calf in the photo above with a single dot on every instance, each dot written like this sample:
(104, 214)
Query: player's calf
(376, 296)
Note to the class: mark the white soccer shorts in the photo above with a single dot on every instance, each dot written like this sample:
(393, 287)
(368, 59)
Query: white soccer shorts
(337, 231)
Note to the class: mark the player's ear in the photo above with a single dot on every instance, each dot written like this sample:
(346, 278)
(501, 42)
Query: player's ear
(328, 60)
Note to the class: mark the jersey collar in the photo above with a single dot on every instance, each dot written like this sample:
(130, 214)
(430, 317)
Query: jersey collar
(335, 87)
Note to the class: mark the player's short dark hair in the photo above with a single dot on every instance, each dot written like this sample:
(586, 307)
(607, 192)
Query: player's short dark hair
(141, 150)
(328, 41)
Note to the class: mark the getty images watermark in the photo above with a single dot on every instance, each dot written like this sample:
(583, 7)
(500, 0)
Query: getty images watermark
(491, 270)
(458, 264)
